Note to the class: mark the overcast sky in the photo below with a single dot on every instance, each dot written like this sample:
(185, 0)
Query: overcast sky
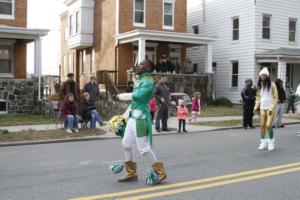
(45, 14)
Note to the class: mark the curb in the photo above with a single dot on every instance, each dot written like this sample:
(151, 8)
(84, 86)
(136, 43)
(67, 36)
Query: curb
(83, 139)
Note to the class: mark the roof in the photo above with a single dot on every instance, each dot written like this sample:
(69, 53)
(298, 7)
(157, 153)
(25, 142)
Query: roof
(165, 36)
(280, 52)
(9, 32)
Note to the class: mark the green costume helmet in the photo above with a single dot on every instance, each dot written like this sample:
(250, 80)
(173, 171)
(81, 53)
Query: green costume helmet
(144, 66)
(117, 124)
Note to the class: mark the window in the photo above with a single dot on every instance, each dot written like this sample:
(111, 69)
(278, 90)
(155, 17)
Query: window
(235, 28)
(235, 74)
(266, 32)
(196, 29)
(65, 67)
(292, 30)
(6, 59)
(71, 25)
(70, 66)
(93, 68)
(77, 22)
(139, 12)
(83, 60)
(6, 9)
(168, 14)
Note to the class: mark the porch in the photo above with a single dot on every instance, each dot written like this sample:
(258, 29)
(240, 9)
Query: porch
(283, 63)
(134, 46)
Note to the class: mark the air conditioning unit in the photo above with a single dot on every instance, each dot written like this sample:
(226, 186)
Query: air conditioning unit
(3, 106)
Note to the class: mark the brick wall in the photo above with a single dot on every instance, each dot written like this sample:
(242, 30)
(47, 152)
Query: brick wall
(125, 62)
(154, 12)
(20, 15)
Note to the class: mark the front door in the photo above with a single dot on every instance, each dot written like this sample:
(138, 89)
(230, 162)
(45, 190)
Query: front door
(150, 52)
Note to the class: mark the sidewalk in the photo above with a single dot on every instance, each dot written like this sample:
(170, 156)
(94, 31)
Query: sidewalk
(172, 123)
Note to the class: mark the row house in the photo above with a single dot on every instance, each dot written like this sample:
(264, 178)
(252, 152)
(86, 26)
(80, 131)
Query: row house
(251, 34)
(16, 93)
(116, 34)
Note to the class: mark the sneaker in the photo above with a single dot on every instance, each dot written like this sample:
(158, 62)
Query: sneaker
(69, 130)
(76, 130)
(271, 145)
(157, 130)
(263, 144)
(185, 131)
(102, 123)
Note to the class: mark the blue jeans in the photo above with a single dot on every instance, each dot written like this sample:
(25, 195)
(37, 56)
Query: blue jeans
(71, 121)
(95, 117)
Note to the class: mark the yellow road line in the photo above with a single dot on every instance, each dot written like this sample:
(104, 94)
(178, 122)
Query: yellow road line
(201, 187)
(174, 185)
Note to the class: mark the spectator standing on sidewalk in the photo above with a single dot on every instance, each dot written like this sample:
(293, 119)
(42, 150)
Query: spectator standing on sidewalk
(196, 107)
(182, 112)
(153, 108)
(281, 101)
(162, 96)
(291, 100)
(93, 89)
(70, 86)
(248, 96)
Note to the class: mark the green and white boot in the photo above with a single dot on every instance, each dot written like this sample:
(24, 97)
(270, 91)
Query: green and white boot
(263, 144)
(271, 144)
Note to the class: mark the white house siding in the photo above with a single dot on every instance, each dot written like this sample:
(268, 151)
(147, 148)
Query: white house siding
(281, 11)
(218, 22)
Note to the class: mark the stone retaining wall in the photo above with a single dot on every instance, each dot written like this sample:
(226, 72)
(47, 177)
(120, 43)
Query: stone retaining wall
(189, 83)
(19, 94)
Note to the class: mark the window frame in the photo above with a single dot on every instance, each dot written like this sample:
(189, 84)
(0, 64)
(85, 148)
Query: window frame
(235, 29)
(77, 22)
(70, 63)
(11, 49)
(92, 62)
(6, 16)
(167, 27)
(265, 27)
(234, 75)
(71, 18)
(293, 31)
(83, 61)
(138, 24)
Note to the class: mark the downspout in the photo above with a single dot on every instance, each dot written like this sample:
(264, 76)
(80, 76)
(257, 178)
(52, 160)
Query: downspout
(116, 40)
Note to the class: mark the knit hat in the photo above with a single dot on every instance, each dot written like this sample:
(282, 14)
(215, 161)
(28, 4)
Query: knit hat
(264, 71)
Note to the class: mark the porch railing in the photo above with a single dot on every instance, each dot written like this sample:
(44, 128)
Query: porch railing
(109, 79)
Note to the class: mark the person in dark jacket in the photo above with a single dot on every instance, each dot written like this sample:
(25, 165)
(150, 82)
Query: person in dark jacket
(162, 96)
(93, 89)
(89, 111)
(248, 94)
(70, 86)
(291, 101)
(281, 101)
(69, 113)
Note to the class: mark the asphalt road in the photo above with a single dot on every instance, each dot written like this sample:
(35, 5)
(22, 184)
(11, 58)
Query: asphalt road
(80, 169)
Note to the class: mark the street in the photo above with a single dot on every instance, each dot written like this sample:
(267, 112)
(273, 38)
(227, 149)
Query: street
(194, 164)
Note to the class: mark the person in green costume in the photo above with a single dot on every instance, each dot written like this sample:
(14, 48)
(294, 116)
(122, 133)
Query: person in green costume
(138, 128)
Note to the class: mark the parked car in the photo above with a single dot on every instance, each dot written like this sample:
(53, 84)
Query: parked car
(175, 96)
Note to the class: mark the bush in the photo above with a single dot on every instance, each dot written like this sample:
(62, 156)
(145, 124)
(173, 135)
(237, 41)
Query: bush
(222, 101)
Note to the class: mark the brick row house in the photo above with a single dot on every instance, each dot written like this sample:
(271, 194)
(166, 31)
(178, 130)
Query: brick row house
(16, 93)
(116, 34)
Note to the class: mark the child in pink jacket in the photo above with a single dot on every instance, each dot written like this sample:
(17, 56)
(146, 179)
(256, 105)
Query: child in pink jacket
(153, 108)
(182, 112)
(196, 107)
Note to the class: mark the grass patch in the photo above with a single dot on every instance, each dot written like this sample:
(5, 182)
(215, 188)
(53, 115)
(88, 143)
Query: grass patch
(213, 111)
(293, 117)
(24, 119)
(32, 135)
(227, 123)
